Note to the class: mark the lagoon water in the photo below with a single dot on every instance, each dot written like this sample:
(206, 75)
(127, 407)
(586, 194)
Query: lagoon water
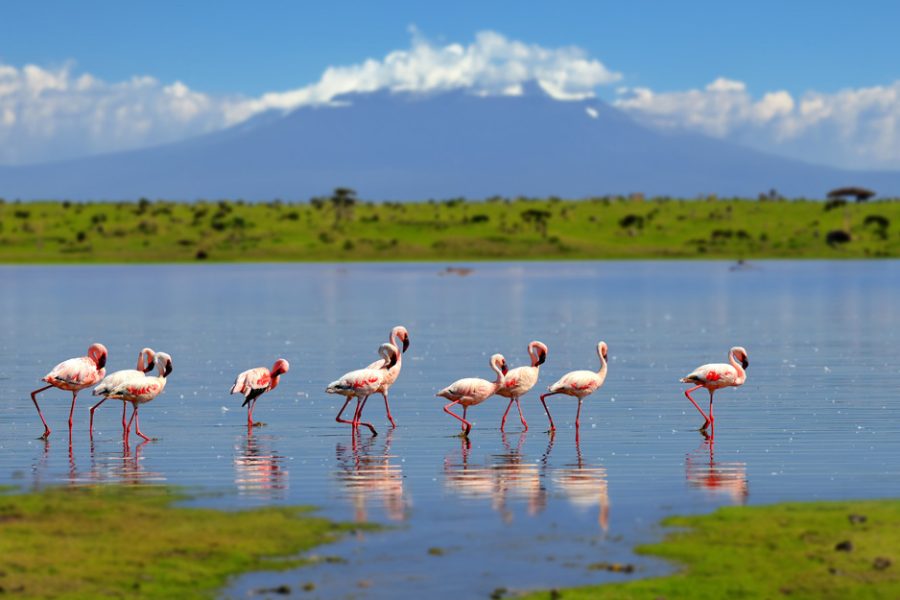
(819, 417)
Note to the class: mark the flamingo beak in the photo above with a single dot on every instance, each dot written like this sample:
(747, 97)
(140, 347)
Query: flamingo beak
(168, 368)
(504, 368)
(745, 363)
(150, 365)
(542, 356)
(101, 361)
(405, 343)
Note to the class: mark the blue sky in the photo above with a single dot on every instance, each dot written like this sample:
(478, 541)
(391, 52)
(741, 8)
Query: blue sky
(250, 48)
(812, 80)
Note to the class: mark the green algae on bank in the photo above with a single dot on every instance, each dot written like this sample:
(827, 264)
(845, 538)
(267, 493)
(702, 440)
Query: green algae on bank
(135, 542)
(804, 550)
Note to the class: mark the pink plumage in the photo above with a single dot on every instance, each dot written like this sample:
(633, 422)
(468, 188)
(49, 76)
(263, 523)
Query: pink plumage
(399, 337)
(362, 383)
(472, 391)
(579, 384)
(519, 381)
(716, 376)
(253, 383)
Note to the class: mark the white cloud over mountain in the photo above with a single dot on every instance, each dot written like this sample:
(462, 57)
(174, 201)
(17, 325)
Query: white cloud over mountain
(49, 113)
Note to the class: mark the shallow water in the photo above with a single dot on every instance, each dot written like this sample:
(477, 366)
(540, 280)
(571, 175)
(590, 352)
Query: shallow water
(817, 419)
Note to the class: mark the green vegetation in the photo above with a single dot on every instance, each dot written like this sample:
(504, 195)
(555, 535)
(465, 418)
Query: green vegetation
(812, 550)
(120, 541)
(343, 228)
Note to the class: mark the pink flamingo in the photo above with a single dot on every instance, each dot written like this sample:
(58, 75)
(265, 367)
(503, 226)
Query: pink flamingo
(398, 334)
(141, 389)
(472, 391)
(253, 383)
(579, 384)
(518, 381)
(73, 375)
(146, 362)
(362, 383)
(717, 376)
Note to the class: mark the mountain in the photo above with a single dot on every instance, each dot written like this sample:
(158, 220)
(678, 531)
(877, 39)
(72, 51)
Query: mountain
(394, 146)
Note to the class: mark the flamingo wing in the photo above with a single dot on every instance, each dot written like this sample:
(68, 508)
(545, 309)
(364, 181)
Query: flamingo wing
(577, 382)
(76, 372)
(111, 381)
(715, 374)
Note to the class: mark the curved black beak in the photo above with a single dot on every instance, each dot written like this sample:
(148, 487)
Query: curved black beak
(393, 361)
(745, 363)
(168, 368)
(101, 362)
(150, 365)
(542, 356)
(504, 368)
(405, 343)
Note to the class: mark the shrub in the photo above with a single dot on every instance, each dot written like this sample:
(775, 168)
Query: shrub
(878, 221)
(835, 203)
(631, 220)
(836, 237)
(480, 218)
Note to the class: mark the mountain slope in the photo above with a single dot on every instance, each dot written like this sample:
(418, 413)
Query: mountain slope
(400, 146)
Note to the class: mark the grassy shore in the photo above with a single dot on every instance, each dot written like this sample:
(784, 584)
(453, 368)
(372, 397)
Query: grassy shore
(158, 231)
(824, 550)
(132, 542)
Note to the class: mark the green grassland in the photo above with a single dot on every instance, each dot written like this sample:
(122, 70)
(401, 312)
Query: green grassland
(593, 228)
(133, 542)
(819, 550)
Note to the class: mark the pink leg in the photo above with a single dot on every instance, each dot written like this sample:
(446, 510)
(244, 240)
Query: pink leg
(503, 420)
(387, 407)
(465, 410)
(338, 417)
(697, 406)
(95, 407)
(128, 426)
(712, 419)
(552, 426)
(467, 427)
(137, 425)
(124, 409)
(359, 410)
(250, 413)
(34, 399)
(578, 414)
(72, 411)
(521, 416)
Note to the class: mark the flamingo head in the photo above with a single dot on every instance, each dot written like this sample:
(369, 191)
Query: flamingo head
(147, 357)
(500, 361)
(401, 334)
(98, 354)
(165, 363)
(603, 350)
(389, 353)
(538, 351)
(280, 367)
(740, 355)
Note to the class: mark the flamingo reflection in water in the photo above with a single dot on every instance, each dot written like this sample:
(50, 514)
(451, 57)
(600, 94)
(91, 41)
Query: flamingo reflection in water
(126, 466)
(585, 486)
(505, 477)
(368, 475)
(717, 478)
(258, 469)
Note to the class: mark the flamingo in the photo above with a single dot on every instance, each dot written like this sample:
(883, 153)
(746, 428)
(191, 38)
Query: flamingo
(716, 376)
(579, 384)
(73, 375)
(472, 391)
(141, 389)
(146, 362)
(518, 381)
(362, 383)
(253, 383)
(400, 334)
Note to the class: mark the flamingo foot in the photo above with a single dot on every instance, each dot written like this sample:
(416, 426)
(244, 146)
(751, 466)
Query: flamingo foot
(45, 435)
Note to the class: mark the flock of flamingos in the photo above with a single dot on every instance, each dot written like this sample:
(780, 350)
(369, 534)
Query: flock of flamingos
(138, 386)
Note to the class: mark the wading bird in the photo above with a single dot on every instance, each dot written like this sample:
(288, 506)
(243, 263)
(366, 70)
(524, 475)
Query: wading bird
(472, 391)
(253, 383)
(362, 383)
(141, 389)
(518, 381)
(717, 376)
(398, 334)
(579, 384)
(73, 376)
(146, 362)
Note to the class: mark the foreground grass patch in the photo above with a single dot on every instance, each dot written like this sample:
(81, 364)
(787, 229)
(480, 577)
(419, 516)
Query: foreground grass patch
(117, 541)
(814, 550)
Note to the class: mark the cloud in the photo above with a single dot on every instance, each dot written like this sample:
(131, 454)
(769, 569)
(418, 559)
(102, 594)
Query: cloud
(855, 128)
(54, 113)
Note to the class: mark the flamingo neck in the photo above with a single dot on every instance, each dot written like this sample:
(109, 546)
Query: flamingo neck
(392, 339)
(499, 381)
(603, 366)
(742, 375)
(533, 355)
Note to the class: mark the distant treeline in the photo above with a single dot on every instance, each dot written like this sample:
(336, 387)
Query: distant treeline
(340, 227)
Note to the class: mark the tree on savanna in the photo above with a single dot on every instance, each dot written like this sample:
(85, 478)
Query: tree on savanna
(343, 200)
(538, 218)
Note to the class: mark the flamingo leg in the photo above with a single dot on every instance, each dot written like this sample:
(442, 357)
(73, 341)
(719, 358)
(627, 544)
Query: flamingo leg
(359, 410)
(338, 417)
(93, 408)
(128, 426)
(578, 414)
(552, 426)
(137, 424)
(503, 420)
(124, 411)
(387, 408)
(687, 393)
(467, 427)
(712, 419)
(34, 399)
(250, 413)
(521, 416)
(465, 410)
(72, 411)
